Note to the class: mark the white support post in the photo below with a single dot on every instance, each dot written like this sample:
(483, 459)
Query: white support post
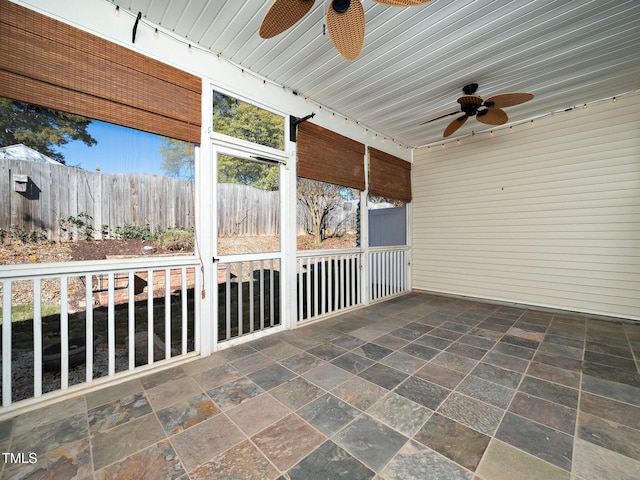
(289, 268)
(206, 297)
(365, 283)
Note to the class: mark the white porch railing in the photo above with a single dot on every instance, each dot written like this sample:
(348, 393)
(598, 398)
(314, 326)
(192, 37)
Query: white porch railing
(248, 295)
(332, 281)
(140, 311)
(388, 272)
(328, 282)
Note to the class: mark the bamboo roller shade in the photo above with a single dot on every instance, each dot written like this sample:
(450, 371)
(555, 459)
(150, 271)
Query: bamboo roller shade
(54, 65)
(329, 157)
(389, 176)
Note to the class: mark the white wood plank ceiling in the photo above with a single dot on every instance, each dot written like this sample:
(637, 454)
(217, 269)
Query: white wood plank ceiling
(416, 60)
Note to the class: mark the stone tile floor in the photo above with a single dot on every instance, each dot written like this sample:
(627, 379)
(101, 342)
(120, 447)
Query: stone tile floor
(419, 387)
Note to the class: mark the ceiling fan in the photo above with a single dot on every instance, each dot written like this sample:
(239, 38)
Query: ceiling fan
(345, 20)
(487, 111)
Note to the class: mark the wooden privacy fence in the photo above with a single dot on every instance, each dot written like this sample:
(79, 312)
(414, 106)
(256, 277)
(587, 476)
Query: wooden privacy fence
(247, 211)
(35, 196)
(53, 192)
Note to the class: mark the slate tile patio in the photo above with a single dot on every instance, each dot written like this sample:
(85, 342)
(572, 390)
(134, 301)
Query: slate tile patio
(418, 387)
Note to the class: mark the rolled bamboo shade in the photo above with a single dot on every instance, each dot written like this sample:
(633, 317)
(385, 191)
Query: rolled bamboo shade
(389, 176)
(329, 157)
(49, 63)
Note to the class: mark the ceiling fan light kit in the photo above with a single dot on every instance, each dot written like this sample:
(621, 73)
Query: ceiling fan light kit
(345, 21)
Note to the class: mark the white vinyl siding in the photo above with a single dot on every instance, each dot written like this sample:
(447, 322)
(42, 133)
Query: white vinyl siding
(547, 215)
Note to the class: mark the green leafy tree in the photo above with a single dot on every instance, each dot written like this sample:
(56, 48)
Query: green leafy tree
(247, 122)
(246, 172)
(178, 158)
(40, 128)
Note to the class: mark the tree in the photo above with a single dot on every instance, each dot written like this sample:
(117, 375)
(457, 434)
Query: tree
(319, 200)
(40, 128)
(247, 172)
(178, 158)
(247, 122)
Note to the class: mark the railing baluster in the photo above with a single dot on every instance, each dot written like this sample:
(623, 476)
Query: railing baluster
(198, 282)
(341, 282)
(167, 314)
(240, 319)
(299, 278)
(227, 309)
(6, 344)
(272, 287)
(150, 343)
(131, 324)
(64, 333)
(394, 272)
(315, 286)
(308, 289)
(323, 289)
(404, 270)
(111, 322)
(251, 299)
(262, 294)
(88, 299)
(380, 274)
(333, 288)
(387, 273)
(183, 296)
(348, 281)
(355, 274)
(336, 283)
(37, 338)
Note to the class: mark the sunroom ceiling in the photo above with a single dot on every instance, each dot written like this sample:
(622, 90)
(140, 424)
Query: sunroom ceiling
(416, 60)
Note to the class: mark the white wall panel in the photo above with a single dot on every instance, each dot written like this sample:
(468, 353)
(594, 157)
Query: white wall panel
(546, 215)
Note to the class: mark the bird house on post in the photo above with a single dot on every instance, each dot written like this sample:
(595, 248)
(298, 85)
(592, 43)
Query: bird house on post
(20, 183)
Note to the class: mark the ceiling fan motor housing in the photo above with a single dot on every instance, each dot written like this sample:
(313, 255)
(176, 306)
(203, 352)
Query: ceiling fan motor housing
(470, 89)
(470, 104)
(341, 6)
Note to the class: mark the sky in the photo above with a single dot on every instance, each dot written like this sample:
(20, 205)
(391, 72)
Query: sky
(119, 150)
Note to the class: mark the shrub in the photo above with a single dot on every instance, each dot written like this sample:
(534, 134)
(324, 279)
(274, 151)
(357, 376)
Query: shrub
(14, 233)
(133, 232)
(177, 240)
(80, 223)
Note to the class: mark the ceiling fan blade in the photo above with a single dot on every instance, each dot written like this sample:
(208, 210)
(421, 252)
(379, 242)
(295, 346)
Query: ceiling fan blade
(455, 125)
(282, 15)
(402, 3)
(346, 29)
(509, 99)
(441, 116)
(492, 116)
